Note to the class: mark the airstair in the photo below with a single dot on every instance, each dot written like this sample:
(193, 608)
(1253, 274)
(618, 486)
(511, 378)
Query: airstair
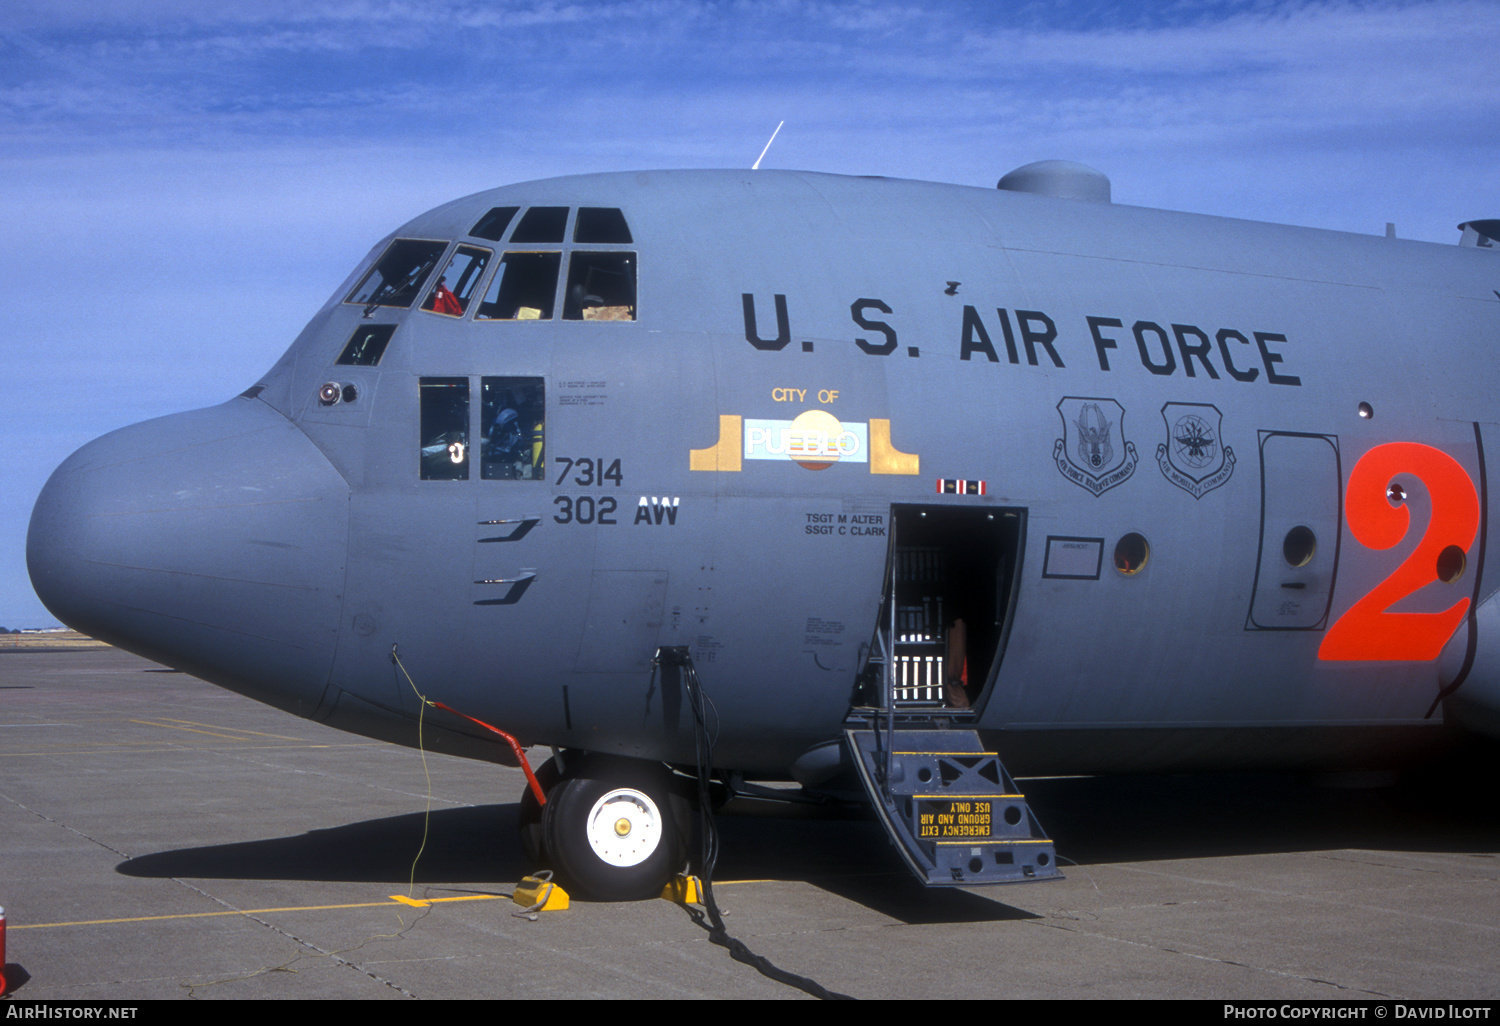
(949, 806)
(946, 801)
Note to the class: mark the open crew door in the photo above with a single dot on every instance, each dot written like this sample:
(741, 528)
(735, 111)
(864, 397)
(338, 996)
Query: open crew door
(950, 806)
(950, 593)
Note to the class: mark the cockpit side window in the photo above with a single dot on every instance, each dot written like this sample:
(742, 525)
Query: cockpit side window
(492, 225)
(445, 429)
(511, 433)
(542, 224)
(399, 274)
(601, 287)
(367, 345)
(601, 225)
(524, 288)
(455, 286)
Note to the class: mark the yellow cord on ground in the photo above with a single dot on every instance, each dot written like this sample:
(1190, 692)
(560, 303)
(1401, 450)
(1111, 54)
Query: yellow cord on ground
(421, 747)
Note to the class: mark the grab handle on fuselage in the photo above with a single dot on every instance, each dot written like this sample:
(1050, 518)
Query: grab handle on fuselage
(525, 524)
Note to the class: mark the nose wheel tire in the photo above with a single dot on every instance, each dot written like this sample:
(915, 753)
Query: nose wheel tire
(617, 831)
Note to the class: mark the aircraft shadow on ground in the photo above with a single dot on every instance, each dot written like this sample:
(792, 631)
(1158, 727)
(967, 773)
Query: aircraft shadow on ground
(476, 843)
(479, 843)
(1094, 821)
(850, 858)
(1101, 820)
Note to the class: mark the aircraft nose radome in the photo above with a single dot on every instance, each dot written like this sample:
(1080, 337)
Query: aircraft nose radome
(212, 541)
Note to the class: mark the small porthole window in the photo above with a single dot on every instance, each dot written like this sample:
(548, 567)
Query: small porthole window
(1299, 546)
(1131, 554)
(1451, 563)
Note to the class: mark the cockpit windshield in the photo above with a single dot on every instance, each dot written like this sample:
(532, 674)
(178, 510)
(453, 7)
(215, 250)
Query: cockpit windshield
(398, 276)
(456, 284)
(536, 273)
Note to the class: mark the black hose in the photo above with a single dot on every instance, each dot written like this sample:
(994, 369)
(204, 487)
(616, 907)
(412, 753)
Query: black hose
(709, 841)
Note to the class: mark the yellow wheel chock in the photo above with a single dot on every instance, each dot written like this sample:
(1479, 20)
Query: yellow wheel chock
(684, 889)
(539, 894)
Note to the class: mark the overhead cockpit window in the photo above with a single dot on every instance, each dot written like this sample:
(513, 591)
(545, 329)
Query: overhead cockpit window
(445, 429)
(455, 286)
(523, 289)
(601, 225)
(511, 433)
(399, 275)
(542, 224)
(492, 225)
(367, 345)
(601, 287)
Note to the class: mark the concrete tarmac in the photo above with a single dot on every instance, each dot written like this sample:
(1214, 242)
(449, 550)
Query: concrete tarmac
(161, 838)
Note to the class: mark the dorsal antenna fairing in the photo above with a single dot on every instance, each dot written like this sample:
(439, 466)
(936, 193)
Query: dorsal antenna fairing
(756, 165)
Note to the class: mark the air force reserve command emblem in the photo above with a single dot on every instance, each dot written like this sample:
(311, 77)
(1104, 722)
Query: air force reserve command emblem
(1093, 453)
(1193, 457)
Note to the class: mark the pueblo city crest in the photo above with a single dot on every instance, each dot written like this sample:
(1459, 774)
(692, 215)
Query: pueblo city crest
(1194, 458)
(1093, 452)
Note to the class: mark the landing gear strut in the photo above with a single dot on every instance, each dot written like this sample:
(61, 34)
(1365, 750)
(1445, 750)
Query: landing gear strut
(613, 829)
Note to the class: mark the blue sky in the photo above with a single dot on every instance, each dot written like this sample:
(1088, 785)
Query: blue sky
(182, 183)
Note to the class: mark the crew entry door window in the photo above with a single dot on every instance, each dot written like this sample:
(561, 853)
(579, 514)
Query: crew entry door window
(512, 430)
(445, 429)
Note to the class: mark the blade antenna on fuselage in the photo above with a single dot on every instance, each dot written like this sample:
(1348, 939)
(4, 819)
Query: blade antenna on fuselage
(756, 165)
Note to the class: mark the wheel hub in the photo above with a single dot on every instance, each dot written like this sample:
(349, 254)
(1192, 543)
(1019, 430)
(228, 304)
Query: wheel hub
(624, 827)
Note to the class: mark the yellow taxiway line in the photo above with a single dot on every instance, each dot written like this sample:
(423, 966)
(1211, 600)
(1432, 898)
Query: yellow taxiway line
(394, 899)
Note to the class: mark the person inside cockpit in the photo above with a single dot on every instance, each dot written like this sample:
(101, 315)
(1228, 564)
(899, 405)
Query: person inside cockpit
(443, 300)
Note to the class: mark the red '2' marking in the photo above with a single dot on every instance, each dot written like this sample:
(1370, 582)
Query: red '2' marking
(1368, 630)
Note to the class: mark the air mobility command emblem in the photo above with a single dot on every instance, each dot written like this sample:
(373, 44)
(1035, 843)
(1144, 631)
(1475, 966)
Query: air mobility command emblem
(1193, 457)
(1093, 452)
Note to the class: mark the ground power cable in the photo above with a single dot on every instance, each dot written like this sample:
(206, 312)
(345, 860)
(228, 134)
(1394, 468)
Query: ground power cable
(709, 841)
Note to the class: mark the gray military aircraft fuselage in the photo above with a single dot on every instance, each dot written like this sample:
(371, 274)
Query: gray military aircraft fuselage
(1201, 492)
